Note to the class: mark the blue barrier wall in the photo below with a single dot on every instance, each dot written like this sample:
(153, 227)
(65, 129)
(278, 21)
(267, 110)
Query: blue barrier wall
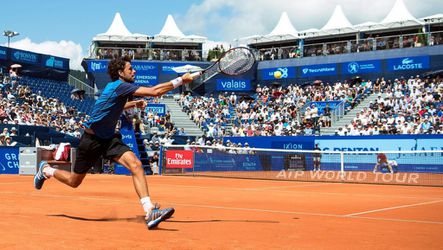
(425, 162)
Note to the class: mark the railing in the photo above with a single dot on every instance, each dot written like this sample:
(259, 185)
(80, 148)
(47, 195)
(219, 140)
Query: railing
(149, 54)
(353, 46)
(338, 112)
(89, 91)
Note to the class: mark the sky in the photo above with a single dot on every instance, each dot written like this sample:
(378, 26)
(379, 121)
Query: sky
(65, 28)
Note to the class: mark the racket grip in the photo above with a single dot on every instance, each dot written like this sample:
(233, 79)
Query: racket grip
(196, 74)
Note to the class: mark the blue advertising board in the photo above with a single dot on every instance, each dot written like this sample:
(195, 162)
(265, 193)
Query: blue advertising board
(408, 63)
(146, 73)
(9, 160)
(361, 67)
(22, 56)
(286, 73)
(160, 109)
(424, 162)
(225, 84)
(98, 66)
(319, 70)
(217, 161)
(3, 53)
(55, 62)
(128, 138)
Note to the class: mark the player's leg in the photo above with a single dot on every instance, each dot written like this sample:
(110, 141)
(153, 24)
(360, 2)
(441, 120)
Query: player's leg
(133, 164)
(88, 152)
(121, 154)
(390, 168)
(375, 168)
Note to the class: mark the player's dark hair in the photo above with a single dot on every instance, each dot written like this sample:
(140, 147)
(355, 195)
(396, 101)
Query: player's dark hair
(117, 64)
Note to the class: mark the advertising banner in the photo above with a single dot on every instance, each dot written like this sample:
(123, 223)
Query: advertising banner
(55, 62)
(278, 73)
(408, 63)
(24, 56)
(233, 85)
(98, 66)
(3, 53)
(319, 70)
(9, 160)
(146, 73)
(361, 67)
(179, 159)
(160, 109)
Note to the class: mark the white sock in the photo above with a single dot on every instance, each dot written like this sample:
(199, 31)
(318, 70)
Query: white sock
(48, 171)
(147, 204)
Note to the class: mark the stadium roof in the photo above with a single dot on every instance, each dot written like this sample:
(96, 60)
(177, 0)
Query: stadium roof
(437, 18)
(170, 33)
(283, 31)
(117, 31)
(337, 24)
(399, 16)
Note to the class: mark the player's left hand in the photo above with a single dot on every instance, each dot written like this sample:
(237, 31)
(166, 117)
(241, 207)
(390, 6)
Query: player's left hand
(140, 103)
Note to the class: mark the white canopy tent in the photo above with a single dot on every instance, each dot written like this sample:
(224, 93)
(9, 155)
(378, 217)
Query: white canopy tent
(283, 31)
(117, 31)
(399, 16)
(170, 33)
(337, 24)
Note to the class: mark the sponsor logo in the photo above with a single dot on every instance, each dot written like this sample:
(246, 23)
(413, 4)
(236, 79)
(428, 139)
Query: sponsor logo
(353, 67)
(143, 67)
(319, 70)
(283, 71)
(179, 159)
(232, 84)
(408, 63)
(25, 57)
(54, 63)
(97, 66)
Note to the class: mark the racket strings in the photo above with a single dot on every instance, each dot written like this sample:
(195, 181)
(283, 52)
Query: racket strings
(236, 61)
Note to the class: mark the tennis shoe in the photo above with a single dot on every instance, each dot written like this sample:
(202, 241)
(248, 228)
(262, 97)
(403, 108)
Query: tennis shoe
(39, 177)
(157, 215)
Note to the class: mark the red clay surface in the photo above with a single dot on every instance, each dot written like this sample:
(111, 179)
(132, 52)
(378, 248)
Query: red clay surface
(104, 213)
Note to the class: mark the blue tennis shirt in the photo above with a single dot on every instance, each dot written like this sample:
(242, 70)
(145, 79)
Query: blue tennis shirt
(108, 108)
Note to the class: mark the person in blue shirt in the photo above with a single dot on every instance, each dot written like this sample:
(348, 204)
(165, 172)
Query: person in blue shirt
(100, 137)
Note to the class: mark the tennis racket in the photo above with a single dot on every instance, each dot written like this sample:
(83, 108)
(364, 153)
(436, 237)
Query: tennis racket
(233, 62)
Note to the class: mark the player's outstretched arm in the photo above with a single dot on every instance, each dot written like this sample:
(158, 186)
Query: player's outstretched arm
(162, 88)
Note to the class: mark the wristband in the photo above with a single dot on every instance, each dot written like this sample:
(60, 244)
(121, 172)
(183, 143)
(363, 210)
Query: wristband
(177, 82)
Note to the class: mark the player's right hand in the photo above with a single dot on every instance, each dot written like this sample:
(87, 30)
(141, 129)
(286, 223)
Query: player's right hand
(187, 78)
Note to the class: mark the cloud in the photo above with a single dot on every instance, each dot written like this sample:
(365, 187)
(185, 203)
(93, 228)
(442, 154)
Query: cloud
(230, 19)
(66, 49)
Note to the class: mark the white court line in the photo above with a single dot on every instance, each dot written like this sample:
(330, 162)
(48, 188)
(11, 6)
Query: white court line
(392, 208)
(129, 201)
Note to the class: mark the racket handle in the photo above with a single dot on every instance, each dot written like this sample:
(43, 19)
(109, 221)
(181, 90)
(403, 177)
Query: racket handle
(196, 74)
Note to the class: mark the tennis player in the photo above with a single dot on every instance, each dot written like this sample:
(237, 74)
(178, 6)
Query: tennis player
(382, 161)
(100, 138)
(316, 157)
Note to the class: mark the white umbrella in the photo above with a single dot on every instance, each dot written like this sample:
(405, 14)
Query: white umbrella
(16, 66)
(187, 68)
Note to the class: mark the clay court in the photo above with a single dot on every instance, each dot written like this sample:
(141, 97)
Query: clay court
(219, 213)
